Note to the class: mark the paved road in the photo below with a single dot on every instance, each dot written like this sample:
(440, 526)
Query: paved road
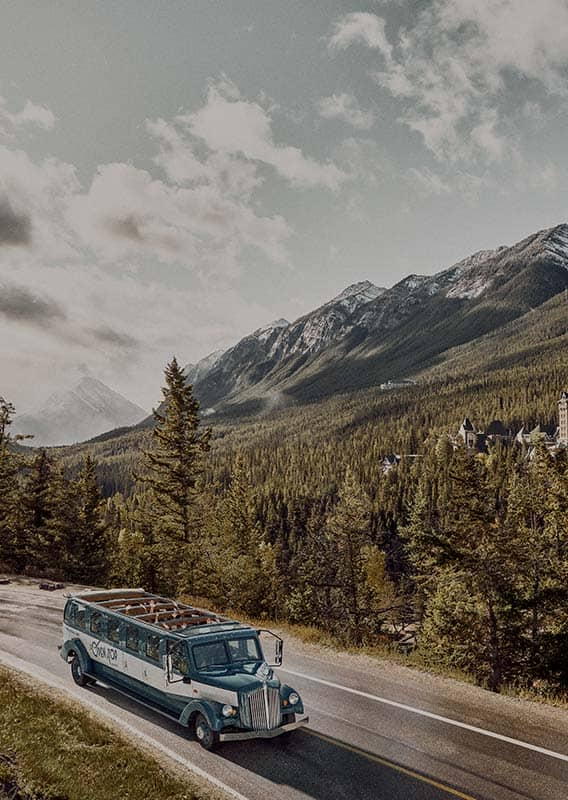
(376, 732)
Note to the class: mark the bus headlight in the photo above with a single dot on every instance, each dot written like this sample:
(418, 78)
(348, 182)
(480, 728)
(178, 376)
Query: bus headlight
(228, 711)
(293, 698)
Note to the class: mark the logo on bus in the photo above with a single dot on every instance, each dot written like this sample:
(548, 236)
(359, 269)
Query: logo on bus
(100, 650)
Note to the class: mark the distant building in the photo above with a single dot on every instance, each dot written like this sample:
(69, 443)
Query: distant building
(468, 433)
(552, 436)
(401, 384)
(390, 461)
(563, 419)
(393, 460)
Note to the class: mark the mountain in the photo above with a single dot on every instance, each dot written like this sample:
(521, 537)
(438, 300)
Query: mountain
(367, 335)
(197, 372)
(253, 358)
(74, 415)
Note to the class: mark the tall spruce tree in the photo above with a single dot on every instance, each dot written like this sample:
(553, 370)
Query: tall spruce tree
(174, 464)
(349, 527)
(39, 508)
(13, 551)
(458, 544)
(89, 546)
(538, 523)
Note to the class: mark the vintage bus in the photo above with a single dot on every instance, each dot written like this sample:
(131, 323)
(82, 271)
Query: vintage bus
(206, 671)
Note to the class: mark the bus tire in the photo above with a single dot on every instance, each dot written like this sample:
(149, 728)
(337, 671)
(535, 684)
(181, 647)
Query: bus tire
(204, 733)
(77, 673)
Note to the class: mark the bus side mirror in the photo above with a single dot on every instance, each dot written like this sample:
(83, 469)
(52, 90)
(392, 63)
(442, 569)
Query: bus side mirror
(278, 647)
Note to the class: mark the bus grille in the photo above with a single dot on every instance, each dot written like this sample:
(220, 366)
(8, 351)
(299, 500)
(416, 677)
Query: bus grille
(260, 709)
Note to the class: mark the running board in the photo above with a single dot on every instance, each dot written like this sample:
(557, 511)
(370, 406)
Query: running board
(134, 697)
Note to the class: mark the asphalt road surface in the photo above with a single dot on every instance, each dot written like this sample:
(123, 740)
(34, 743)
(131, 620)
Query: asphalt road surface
(377, 731)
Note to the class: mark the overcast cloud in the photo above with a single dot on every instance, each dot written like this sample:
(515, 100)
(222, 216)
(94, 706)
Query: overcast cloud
(167, 186)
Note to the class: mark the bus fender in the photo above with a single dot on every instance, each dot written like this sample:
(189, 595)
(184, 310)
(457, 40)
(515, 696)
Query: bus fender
(207, 709)
(76, 647)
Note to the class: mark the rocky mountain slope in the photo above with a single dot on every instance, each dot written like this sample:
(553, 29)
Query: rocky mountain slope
(74, 415)
(367, 334)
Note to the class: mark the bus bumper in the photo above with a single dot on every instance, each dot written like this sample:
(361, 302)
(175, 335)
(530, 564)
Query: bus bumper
(239, 735)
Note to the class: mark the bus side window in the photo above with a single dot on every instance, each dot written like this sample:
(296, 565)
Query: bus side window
(179, 658)
(113, 630)
(97, 623)
(70, 612)
(153, 646)
(132, 638)
(80, 617)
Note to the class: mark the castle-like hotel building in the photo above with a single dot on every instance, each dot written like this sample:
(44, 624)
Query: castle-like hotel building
(554, 437)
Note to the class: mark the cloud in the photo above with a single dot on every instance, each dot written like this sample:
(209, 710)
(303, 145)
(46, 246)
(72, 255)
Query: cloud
(127, 212)
(15, 226)
(360, 27)
(454, 69)
(93, 254)
(229, 124)
(20, 304)
(107, 335)
(33, 202)
(32, 115)
(346, 107)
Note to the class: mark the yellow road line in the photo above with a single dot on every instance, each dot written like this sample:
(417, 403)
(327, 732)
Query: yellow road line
(390, 764)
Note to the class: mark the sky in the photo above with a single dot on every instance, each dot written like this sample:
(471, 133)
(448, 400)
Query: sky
(177, 173)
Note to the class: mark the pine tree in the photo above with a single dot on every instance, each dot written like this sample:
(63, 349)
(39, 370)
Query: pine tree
(243, 562)
(12, 522)
(538, 523)
(173, 467)
(39, 509)
(89, 547)
(349, 530)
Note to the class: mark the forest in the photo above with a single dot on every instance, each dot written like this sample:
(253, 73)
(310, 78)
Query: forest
(291, 516)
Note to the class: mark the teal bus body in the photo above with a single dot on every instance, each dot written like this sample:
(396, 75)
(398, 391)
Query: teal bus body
(206, 671)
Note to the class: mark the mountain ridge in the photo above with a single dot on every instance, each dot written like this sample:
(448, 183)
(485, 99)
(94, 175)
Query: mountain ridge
(391, 333)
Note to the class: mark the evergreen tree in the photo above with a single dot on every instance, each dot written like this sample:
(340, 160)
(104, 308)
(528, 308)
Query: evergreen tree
(538, 523)
(12, 521)
(40, 509)
(244, 565)
(173, 467)
(349, 530)
(89, 546)
(462, 540)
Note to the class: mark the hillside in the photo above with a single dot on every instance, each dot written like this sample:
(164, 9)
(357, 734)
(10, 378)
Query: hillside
(486, 338)
(378, 334)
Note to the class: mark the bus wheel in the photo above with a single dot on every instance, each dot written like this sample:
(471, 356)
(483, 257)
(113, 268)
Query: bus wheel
(77, 673)
(204, 733)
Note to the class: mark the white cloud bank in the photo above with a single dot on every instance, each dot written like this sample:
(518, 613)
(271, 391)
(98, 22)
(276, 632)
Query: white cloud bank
(455, 66)
(229, 124)
(31, 115)
(82, 267)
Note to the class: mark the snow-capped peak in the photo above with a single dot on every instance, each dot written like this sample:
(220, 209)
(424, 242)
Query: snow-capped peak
(356, 294)
(556, 242)
(267, 330)
(195, 372)
(88, 408)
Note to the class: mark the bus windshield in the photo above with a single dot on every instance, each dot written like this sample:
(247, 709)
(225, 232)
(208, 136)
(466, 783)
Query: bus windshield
(226, 653)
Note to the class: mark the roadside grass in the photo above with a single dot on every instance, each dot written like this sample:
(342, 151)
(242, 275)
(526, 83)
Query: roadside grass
(541, 692)
(52, 749)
